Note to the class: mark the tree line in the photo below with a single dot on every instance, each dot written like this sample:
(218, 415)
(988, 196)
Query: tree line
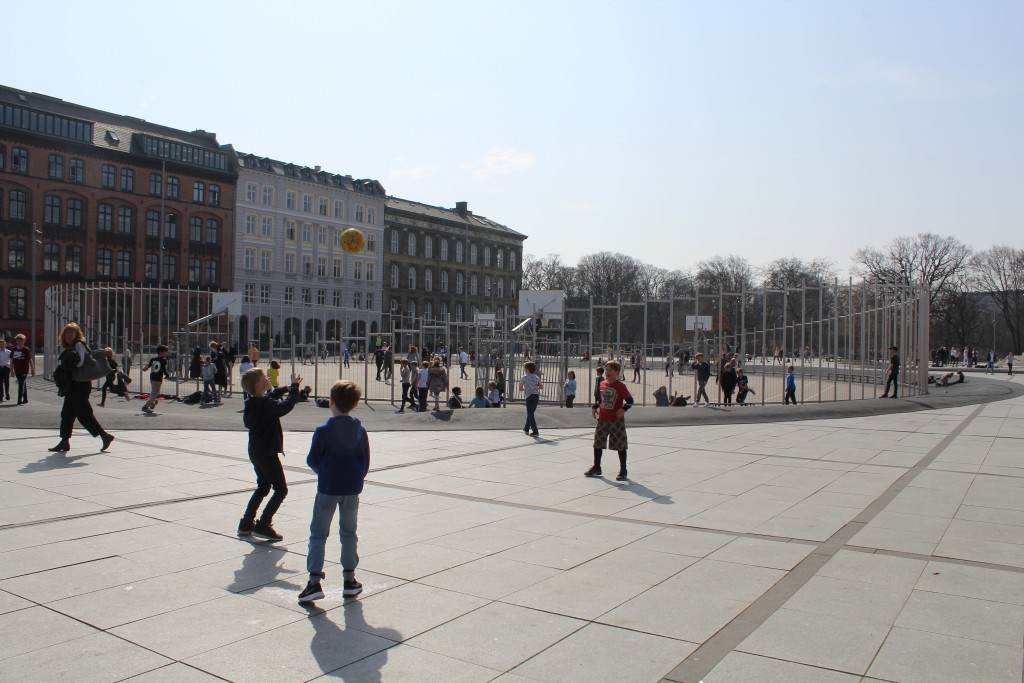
(968, 289)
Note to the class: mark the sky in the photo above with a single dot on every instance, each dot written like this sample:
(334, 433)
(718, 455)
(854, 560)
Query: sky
(671, 131)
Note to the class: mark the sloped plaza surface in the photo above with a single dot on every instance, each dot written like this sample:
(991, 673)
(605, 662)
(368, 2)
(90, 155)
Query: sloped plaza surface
(888, 546)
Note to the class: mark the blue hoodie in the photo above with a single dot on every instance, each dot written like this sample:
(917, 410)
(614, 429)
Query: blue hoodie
(340, 456)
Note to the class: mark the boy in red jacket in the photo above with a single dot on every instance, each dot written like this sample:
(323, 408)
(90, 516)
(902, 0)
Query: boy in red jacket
(610, 409)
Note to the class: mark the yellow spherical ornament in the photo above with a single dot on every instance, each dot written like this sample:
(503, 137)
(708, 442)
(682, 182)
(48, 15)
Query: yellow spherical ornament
(353, 241)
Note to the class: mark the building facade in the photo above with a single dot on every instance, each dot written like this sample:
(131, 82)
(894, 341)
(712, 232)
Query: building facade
(447, 265)
(298, 286)
(90, 196)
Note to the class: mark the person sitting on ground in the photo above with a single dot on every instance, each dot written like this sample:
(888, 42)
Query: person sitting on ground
(680, 401)
(455, 400)
(661, 397)
(479, 400)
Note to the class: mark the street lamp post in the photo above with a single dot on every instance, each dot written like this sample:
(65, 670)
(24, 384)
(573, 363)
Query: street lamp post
(32, 300)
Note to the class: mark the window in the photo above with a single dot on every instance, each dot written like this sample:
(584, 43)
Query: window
(511, 289)
(51, 258)
(487, 257)
(214, 195)
(458, 252)
(73, 213)
(357, 299)
(289, 231)
(501, 286)
(321, 235)
(428, 280)
(359, 213)
(3, 158)
(394, 241)
(108, 176)
(339, 210)
(124, 264)
(16, 298)
(444, 310)
(104, 262)
(410, 309)
(487, 286)
(51, 210)
(268, 196)
(16, 254)
(250, 258)
(307, 264)
(307, 203)
(211, 271)
(336, 299)
(512, 262)
(428, 310)
(444, 250)
(307, 296)
(173, 187)
(472, 254)
(321, 297)
(336, 267)
(250, 225)
(321, 266)
(125, 219)
(127, 180)
(264, 294)
(267, 227)
(289, 200)
(156, 184)
(170, 268)
(212, 230)
(460, 283)
(195, 271)
(412, 244)
(55, 167)
(371, 215)
(289, 263)
(306, 232)
(266, 261)
(371, 244)
(444, 281)
(17, 205)
(76, 172)
(250, 193)
(250, 292)
(369, 272)
(152, 223)
(473, 285)
(357, 270)
(198, 192)
(195, 229)
(394, 305)
(289, 295)
(19, 161)
(458, 313)
(412, 277)
(323, 206)
(394, 276)
(500, 259)
(428, 247)
(105, 217)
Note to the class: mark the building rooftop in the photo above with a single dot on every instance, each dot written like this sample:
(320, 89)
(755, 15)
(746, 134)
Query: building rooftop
(310, 175)
(460, 214)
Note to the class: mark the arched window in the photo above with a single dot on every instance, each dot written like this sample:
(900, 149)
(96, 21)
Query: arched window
(444, 250)
(444, 281)
(412, 277)
(500, 261)
(511, 289)
(458, 313)
(472, 254)
(428, 280)
(501, 288)
(458, 252)
(428, 311)
(487, 285)
(412, 244)
(472, 285)
(460, 283)
(444, 310)
(511, 260)
(410, 309)
(394, 276)
(428, 247)
(394, 241)
(487, 257)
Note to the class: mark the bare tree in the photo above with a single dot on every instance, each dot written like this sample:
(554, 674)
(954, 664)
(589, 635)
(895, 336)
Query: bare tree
(958, 313)
(549, 272)
(927, 260)
(1000, 272)
(795, 273)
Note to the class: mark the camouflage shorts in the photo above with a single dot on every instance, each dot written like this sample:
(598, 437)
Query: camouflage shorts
(612, 432)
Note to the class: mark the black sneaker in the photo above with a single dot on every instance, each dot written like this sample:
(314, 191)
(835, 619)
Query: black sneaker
(594, 471)
(310, 593)
(264, 530)
(352, 587)
(107, 440)
(245, 527)
(621, 476)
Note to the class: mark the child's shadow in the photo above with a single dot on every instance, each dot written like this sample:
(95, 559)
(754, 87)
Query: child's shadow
(55, 461)
(644, 492)
(260, 566)
(335, 647)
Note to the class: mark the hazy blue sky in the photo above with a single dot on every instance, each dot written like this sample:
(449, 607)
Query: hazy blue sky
(671, 131)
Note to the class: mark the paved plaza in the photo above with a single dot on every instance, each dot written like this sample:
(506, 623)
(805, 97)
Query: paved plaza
(880, 541)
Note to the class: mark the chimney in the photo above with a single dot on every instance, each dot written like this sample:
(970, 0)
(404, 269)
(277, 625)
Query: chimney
(317, 168)
(462, 208)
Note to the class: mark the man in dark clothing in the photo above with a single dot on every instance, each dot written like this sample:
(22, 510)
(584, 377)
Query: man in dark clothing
(892, 373)
(262, 417)
(702, 369)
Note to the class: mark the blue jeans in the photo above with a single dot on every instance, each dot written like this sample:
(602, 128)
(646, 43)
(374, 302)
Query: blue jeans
(320, 528)
(210, 389)
(531, 412)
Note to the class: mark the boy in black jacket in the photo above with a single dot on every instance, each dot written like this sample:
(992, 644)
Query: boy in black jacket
(262, 417)
(340, 456)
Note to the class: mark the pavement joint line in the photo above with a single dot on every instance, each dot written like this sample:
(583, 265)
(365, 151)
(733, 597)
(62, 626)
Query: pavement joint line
(708, 655)
(943, 559)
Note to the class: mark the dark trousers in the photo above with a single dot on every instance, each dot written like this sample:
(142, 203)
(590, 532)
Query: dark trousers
(790, 396)
(269, 475)
(531, 412)
(114, 385)
(77, 406)
(5, 382)
(569, 400)
(407, 396)
(727, 396)
(891, 379)
(422, 392)
(22, 388)
(702, 391)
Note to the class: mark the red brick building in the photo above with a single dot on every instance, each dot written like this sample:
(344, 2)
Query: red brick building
(96, 187)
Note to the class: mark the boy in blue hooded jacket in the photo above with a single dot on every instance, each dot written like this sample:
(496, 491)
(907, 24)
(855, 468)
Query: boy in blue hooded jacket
(340, 456)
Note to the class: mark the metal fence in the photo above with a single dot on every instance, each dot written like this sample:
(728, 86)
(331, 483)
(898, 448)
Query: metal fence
(836, 337)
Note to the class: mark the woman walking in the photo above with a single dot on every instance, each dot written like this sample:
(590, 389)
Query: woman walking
(76, 397)
(437, 381)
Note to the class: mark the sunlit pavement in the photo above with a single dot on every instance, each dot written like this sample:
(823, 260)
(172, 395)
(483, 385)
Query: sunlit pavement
(883, 547)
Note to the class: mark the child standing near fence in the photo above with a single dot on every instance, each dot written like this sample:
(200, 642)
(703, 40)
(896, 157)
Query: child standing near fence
(790, 386)
(570, 388)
